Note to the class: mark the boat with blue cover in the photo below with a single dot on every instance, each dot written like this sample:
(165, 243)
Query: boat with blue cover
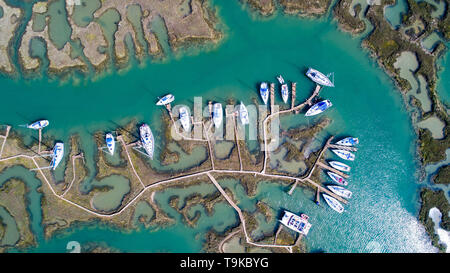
(337, 178)
(38, 124)
(110, 143)
(339, 166)
(165, 100)
(185, 119)
(318, 108)
(147, 140)
(217, 114)
(57, 155)
(296, 223)
(243, 114)
(348, 141)
(319, 78)
(285, 92)
(344, 154)
(264, 92)
(333, 203)
(341, 191)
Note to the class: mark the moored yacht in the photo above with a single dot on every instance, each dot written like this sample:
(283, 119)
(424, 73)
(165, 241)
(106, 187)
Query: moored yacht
(243, 114)
(339, 166)
(38, 124)
(337, 178)
(147, 139)
(318, 108)
(319, 78)
(217, 114)
(264, 92)
(110, 143)
(185, 119)
(333, 203)
(297, 223)
(348, 141)
(57, 155)
(341, 191)
(285, 92)
(165, 100)
(344, 154)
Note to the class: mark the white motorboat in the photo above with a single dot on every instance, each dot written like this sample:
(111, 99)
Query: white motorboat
(185, 119)
(264, 92)
(333, 203)
(110, 143)
(217, 114)
(147, 139)
(341, 191)
(344, 154)
(297, 223)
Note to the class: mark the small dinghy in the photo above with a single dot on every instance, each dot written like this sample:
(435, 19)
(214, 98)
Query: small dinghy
(110, 143)
(333, 203)
(341, 191)
(337, 178)
(217, 114)
(344, 154)
(264, 92)
(243, 114)
(339, 166)
(285, 92)
(280, 79)
(185, 119)
(318, 108)
(348, 141)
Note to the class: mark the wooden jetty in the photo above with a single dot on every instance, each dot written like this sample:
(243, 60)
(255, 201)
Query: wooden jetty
(210, 108)
(294, 89)
(318, 196)
(272, 97)
(316, 92)
(325, 166)
(40, 139)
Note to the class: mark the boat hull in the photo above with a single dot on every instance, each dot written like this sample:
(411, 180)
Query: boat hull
(346, 155)
(243, 114)
(110, 143)
(348, 141)
(147, 140)
(337, 178)
(342, 192)
(339, 166)
(165, 100)
(217, 115)
(285, 93)
(264, 92)
(38, 124)
(57, 155)
(333, 203)
(185, 119)
(296, 223)
(319, 77)
(318, 108)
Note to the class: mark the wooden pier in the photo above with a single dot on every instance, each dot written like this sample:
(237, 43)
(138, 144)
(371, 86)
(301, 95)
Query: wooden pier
(325, 166)
(318, 196)
(294, 90)
(210, 108)
(316, 92)
(272, 97)
(40, 139)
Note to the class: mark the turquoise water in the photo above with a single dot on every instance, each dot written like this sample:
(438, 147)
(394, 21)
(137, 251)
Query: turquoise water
(393, 14)
(365, 104)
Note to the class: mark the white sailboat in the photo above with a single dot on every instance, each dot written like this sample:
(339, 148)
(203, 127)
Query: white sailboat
(185, 119)
(344, 154)
(318, 108)
(264, 92)
(348, 141)
(339, 166)
(333, 203)
(147, 139)
(110, 143)
(38, 124)
(337, 178)
(319, 78)
(285, 92)
(243, 114)
(297, 223)
(165, 100)
(217, 114)
(57, 155)
(341, 191)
